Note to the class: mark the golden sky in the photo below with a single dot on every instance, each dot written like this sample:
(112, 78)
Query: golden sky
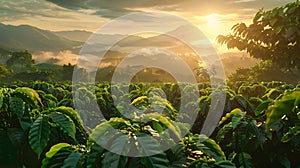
(213, 17)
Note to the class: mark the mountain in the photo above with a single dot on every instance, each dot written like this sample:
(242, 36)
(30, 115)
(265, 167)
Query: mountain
(25, 37)
(75, 35)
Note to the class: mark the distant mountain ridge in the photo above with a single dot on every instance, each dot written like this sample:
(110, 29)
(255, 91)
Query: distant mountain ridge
(33, 39)
(75, 35)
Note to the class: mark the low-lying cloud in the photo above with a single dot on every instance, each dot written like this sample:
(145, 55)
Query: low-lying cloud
(60, 58)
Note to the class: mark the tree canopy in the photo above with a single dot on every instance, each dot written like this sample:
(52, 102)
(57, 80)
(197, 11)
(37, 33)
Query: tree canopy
(274, 35)
(20, 59)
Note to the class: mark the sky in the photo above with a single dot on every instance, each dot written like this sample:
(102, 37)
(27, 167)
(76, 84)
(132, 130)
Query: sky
(214, 17)
(211, 17)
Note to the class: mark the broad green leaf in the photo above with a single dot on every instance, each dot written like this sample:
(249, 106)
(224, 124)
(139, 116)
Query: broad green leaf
(226, 129)
(282, 106)
(26, 120)
(17, 106)
(99, 132)
(94, 156)
(113, 122)
(16, 136)
(262, 107)
(272, 94)
(120, 144)
(211, 148)
(114, 160)
(242, 101)
(65, 102)
(106, 130)
(164, 121)
(237, 114)
(156, 161)
(147, 145)
(245, 160)
(53, 150)
(64, 122)
(278, 111)
(225, 164)
(178, 150)
(57, 160)
(259, 135)
(100, 129)
(72, 161)
(29, 95)
(69, 112)
(39, 135)
(178, 156)
(139, 100)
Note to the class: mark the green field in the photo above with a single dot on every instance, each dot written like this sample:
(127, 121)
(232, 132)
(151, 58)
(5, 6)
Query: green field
(39, 126)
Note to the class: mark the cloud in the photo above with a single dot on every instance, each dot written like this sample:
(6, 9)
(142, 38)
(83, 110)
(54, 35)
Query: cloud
(90, 14)
(71, 4)
(62, 57)
(115, 8)
(15, 9)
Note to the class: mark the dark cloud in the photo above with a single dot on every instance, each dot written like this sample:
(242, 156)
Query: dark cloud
(15, 9)
(71, 4)
(111, 13)
(115, 8)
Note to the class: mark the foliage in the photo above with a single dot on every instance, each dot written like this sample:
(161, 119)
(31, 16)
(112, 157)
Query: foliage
(274, 35)
(264, 71)
(19, 61)
(259, 128)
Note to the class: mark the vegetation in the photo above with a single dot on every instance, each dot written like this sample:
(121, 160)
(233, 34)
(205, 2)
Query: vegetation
(40, 128)
(20, 66)
(273, 36)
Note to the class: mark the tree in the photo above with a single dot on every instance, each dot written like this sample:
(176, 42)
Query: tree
(204, 74)
(20, 61)
(274, 35)
(69, 70)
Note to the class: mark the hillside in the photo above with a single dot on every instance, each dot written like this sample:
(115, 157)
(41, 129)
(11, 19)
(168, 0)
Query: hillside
(33, 39)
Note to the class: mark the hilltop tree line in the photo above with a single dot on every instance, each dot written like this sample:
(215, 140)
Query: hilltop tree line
(20, 66)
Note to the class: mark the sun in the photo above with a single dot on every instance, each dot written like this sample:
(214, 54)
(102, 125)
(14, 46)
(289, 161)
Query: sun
(212, 20)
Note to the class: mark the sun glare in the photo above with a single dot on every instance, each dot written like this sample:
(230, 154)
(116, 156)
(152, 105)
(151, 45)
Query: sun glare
(212, 19)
